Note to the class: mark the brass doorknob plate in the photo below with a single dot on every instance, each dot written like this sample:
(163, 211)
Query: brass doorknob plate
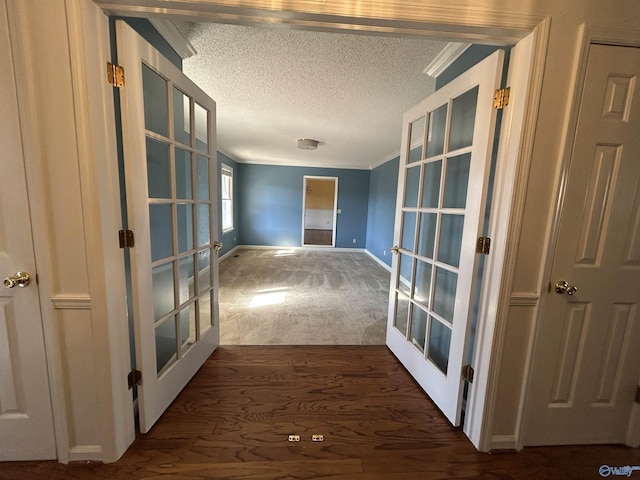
(563, 287)
(20, 279)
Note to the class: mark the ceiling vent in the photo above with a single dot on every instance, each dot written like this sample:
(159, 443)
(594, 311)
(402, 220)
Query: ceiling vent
(307, 144)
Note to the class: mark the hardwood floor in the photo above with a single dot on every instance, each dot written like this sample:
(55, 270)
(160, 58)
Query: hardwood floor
(234, 419)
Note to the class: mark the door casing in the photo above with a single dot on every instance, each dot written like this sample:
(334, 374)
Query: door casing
(97, 131)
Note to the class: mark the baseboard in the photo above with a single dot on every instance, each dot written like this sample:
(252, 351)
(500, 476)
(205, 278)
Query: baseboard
(387, 267)
(276, 247)
(85, 453)
(503, 443)
(229, 253)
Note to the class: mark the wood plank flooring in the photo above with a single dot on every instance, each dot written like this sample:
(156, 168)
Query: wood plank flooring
(234, 418)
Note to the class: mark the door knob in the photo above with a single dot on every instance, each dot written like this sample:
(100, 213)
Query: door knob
(217, 246)
(21, 279)
(395, 249)
(564, 287)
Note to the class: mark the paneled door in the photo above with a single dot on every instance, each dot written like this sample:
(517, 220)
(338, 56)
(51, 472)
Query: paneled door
(26, 417)
(442, 184)
(170, 174)
(586, 368)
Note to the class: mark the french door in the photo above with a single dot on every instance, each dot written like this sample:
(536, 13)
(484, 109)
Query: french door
(171, 186)
(445, 159)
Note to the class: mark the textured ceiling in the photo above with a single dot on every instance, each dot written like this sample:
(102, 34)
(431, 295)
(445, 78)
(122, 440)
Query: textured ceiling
(273, 86)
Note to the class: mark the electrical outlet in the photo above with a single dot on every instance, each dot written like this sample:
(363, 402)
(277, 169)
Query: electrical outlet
(384, 253)
(354, 240)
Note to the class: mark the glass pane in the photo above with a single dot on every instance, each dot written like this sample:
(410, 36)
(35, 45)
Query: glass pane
(411, 187)
(450, 239)
(418, 327)
(404, 282)
(457, 181)
(185, 227)
(181, 117)
(408, 230)
(463, 117)
(437, 127)
(439, 343)
(423, 283)
(444, 298)
(427, 237)
(160, 231)
(416, 140)
(186, 286)
(156, 109)
(204, 234)
(162, 281)
(205, 312)
(166, 344)
(202, 128)
(431, 184)
(202, 177)
(188, 325)
(402, 314)
(158, 170)
(204, 270)
(183, 174)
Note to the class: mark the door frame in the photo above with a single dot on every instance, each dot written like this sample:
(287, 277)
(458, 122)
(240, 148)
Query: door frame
(588, 36)
(94, 123)
(514, 158)
(335, 208)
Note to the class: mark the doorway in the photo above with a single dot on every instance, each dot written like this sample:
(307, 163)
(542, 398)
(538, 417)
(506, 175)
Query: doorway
(319, 211)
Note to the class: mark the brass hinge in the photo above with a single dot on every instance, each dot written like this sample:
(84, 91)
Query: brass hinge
(483, 245)
(134, 378)
(501, 98)
(126, 238)
(467, 373)
(115, 75)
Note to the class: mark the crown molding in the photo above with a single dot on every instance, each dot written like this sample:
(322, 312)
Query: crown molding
(384, 160)
(172, 35)
(445, 58)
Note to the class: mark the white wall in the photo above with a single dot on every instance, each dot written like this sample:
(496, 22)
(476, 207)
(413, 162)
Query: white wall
(74, 178)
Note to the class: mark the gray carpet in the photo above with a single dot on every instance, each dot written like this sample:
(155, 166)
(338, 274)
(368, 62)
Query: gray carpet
(302, 297)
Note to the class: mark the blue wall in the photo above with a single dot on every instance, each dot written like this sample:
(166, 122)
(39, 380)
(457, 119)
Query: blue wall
(383, 187)
(230, 239)
(270, 204)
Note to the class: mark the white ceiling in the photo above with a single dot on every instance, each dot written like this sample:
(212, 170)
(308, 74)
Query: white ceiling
(274, 85)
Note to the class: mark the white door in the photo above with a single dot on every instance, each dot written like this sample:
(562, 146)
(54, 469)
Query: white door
(26, 419)
(442, 189)
(170, 173)
(586, 364)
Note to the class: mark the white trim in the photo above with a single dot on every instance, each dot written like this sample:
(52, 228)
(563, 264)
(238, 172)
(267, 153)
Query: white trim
(71, 302)
(503, 442)
(85, 453)
(304, 163)
(228, 254)
(384, 160)
(386, 267)
(174, 38)
(306, 247)
(525, 299)
(335, 207)
(227, 154)
(445, 58)
(510, 186)
(227, 171)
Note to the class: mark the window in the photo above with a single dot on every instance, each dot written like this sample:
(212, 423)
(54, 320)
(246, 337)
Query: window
(227, 198)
